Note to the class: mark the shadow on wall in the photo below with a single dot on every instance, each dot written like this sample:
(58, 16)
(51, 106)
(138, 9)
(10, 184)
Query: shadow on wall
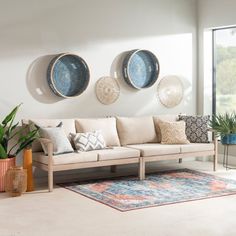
(36, 81)
(188, 90)
(116, 72)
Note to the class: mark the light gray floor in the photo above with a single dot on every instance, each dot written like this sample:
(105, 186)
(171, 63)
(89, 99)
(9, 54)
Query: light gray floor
(65, 213)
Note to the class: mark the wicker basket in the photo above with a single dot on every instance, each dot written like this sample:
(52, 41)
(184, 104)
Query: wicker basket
(16, 181)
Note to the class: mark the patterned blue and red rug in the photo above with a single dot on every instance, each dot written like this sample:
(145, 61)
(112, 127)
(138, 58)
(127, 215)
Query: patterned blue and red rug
(167, 187)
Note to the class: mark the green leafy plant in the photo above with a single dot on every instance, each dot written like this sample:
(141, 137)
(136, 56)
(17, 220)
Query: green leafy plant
(224, 124)
(11, 132)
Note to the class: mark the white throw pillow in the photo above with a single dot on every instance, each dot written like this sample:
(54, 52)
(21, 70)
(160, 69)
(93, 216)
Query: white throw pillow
(89, 141)
(61, 143)
(68, 127)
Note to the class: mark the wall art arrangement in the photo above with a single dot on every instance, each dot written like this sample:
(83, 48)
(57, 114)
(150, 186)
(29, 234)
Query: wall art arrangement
(68, 75)
(107, 90)
(140, 68)
(170, 91)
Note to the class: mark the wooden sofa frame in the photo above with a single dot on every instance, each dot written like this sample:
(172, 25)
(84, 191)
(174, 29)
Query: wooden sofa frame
(51, 168)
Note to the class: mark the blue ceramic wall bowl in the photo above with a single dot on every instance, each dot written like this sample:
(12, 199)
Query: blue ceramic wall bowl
(228, 139)
(68, 75)
(140, 68)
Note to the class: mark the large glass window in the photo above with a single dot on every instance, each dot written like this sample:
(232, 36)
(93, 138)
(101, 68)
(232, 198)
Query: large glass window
(224, 82)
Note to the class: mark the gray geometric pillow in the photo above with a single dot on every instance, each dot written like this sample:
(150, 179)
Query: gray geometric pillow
(89, 141)
(196, 128)
(61, 143)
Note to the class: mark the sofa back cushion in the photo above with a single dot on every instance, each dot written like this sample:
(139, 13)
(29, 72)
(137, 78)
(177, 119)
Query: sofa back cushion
(136, 130)
(68, 127)
(167, 118)
(107, 126)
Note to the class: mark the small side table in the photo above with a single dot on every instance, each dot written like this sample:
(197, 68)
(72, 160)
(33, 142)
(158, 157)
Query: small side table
(226, 157)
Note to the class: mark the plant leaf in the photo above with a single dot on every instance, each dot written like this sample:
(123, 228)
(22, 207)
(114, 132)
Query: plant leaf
(3, 153)
(10, 116)
(26, 140)
(1, 133)
(224, 124)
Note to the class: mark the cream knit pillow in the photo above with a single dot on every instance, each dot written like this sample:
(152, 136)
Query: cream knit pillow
(173, 132)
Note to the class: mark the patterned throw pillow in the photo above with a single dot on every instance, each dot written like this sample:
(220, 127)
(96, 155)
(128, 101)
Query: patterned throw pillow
(196, 128)
(57, 135)
(173, 132)
(89, 141)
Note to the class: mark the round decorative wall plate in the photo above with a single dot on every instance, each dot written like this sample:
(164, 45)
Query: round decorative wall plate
(170, 91)
(68, 75)
(107, 90)
(140, 68)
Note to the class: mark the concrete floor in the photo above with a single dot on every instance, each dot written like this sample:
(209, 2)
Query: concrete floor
(65, 213)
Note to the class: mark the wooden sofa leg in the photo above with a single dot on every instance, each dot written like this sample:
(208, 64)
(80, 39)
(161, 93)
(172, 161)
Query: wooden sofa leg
(143, 173)
(50, 180)
(215, 161)
(180, 160)
(141, 169)
(215, 157)
(113, 169)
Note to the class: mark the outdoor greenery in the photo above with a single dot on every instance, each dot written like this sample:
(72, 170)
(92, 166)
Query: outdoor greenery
(11, 132)
(225, 79)
(224, 124)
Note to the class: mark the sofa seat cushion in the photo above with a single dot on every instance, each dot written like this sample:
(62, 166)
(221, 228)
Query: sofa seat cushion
(196, 147)
(117, 153)
(67, 158)
(156, 149)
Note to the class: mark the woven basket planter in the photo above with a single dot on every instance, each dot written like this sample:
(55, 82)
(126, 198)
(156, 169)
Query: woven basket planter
(5, 164)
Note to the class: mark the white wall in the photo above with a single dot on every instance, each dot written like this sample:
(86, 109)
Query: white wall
(31, 31)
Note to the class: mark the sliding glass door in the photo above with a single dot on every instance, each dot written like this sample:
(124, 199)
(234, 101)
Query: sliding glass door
(224, 61)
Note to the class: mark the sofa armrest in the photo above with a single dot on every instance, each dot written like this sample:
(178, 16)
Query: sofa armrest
(45, 141)
(214, 139)
(214, 135)
(49, 145)
(215, 142)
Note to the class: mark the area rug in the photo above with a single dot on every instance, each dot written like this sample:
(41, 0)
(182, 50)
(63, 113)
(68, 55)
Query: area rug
(166, 187)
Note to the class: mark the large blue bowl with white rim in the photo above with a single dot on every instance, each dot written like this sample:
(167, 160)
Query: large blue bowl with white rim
(68, 75)
(140, 68)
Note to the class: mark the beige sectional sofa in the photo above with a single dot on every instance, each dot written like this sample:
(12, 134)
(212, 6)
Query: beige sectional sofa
(129, 140)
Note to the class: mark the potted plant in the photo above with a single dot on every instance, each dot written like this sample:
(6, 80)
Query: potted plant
(11, 132)
(225, 127)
